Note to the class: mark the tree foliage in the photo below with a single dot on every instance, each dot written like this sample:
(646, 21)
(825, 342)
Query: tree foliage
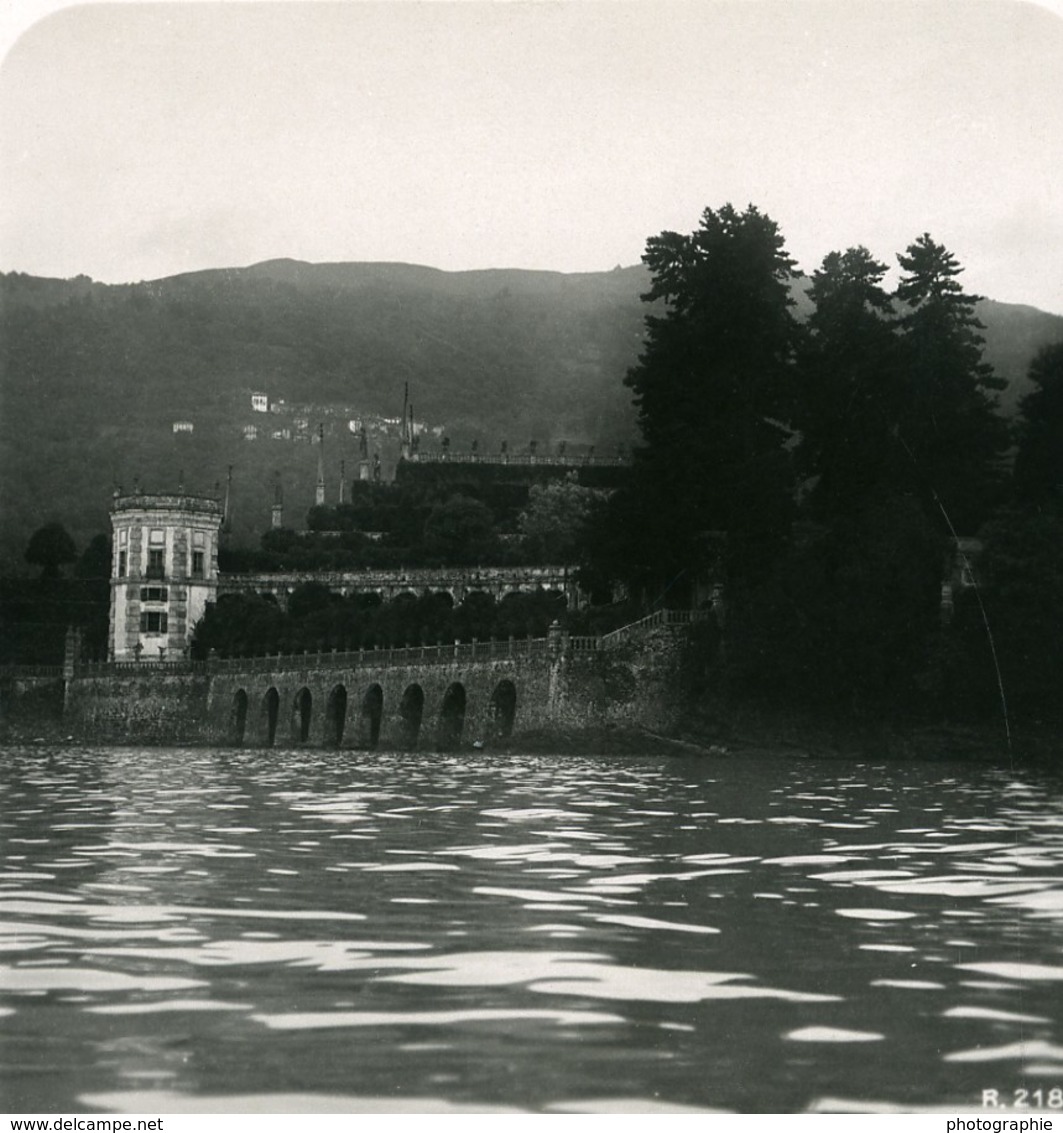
(712, 387)
(900, 448)
(948, 425)
(316, 620)
(849, 369)
(50, 547)
(846, 620)
(556, 521)
(95, 560)
(1039, 460)
(1020, 598)
(460, 529)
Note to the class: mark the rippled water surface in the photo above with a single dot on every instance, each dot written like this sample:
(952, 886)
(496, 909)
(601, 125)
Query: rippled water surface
(194, 929)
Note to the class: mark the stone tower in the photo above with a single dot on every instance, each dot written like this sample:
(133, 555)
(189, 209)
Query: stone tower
(164, 572)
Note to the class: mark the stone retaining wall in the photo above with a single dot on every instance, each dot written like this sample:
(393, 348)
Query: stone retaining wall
(153, 707)
(426, 706)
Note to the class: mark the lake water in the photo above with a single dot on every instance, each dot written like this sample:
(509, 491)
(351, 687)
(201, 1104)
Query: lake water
(238, 930)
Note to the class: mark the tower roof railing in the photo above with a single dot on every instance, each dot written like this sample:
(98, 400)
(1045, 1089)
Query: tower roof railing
(168, 501)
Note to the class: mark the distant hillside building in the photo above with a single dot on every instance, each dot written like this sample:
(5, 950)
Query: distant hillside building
(183, 427)
(260, 403)
(164, 572)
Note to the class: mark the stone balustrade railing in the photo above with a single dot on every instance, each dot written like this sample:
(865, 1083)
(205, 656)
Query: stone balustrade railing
(520, 458)
(29, 672)
(403, 655)
(556, 644)
(181, 666)
(652, 621)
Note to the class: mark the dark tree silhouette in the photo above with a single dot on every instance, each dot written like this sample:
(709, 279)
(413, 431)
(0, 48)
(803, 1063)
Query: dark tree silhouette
(459, 530)
(50, 547)
(95, 561)
(849, 383)
(949, 427)
(712, 388)
(1039, 460)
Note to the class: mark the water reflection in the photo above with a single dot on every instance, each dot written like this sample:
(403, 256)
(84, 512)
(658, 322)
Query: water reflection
(271, 930)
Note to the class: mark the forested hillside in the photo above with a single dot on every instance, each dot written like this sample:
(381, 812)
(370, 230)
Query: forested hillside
(93, 377)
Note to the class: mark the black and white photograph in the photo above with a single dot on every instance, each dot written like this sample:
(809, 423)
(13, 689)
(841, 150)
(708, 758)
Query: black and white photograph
(531, 561)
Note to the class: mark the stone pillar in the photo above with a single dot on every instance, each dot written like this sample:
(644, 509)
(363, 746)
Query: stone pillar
(71, 656)
(554, 639)
(71, 651)
(554, 681)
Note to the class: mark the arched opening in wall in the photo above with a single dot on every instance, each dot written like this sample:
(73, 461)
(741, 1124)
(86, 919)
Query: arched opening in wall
(451, 718)
(503, 710)
(411, 711)
(443, 598)
(335, 716)
(371, 715)
(301, 716)
(271, 705)
(238, 723)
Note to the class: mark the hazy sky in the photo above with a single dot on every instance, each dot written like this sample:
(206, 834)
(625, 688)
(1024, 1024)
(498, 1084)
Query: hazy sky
(138, 141)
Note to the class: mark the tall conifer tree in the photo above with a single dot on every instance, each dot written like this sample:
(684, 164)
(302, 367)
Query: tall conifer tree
(711, 386)
(849, 370)
(1039, 461)
(949, 427)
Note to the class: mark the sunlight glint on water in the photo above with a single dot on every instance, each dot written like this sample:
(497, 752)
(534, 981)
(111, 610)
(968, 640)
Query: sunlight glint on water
(237, 930)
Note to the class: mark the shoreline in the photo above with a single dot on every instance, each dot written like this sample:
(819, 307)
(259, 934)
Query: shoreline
(763, 735)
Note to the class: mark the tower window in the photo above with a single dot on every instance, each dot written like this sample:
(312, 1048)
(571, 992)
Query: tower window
(122, 563)
(153, 594)
(197, 564)
(156, 565)
(153, 621)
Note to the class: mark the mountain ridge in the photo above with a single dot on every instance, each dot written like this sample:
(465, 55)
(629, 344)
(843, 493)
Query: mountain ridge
(94, 377)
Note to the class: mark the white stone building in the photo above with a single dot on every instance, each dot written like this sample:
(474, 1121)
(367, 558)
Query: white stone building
(164, 572)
